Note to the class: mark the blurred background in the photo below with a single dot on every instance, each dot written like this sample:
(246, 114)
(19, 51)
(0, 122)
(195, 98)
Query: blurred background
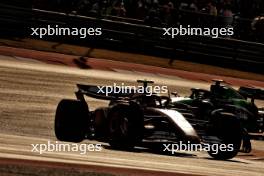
(245, 16)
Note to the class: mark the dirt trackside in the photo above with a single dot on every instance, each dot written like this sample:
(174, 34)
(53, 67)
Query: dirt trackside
(24, 55)
(20, 167)
(127, 57)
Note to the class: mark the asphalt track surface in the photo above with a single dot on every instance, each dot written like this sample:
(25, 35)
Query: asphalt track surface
(29, 93)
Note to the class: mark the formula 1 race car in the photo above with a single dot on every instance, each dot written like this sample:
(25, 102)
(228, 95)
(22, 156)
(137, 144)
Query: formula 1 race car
(135, 119)
(202, 104)
(225, 97)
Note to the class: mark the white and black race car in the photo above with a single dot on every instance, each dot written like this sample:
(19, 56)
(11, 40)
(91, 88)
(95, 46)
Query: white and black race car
(137, 119)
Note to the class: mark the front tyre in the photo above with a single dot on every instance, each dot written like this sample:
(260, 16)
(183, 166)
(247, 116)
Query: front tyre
(228, 130)
(71, 120)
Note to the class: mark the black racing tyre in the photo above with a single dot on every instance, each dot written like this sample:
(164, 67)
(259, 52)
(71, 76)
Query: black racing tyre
(125, 126)
(71, 120)
(228, 129)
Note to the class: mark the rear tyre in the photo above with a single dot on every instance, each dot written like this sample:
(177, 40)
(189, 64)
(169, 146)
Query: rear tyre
(228, 129)
(125, 126)
(71, 120)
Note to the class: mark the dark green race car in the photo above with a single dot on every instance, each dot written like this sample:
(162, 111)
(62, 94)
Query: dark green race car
(204, 107)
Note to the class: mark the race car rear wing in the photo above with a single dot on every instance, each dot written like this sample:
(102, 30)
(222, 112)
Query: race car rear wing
(253, 93)
(101, 92)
